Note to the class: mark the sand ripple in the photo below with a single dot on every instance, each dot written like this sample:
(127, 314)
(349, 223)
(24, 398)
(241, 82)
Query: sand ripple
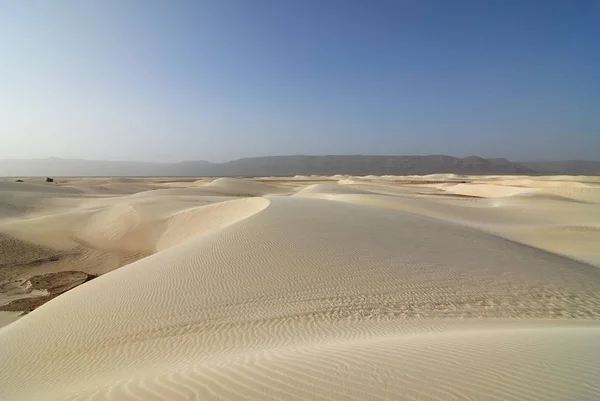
(357, 296)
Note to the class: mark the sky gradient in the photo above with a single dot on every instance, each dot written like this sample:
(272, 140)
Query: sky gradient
(219, 80)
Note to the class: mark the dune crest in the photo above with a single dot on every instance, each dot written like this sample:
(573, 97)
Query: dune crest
(240, 187)
(196, 221)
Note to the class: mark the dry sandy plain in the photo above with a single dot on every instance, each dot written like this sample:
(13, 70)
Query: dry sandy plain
(440, 287)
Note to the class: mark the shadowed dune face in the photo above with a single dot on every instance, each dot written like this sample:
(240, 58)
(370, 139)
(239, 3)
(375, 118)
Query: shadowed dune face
(364, 288)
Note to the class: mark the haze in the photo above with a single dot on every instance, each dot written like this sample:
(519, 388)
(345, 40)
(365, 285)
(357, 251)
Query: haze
(220, 80)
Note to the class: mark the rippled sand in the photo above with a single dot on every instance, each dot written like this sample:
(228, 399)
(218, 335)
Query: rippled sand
(440, 287)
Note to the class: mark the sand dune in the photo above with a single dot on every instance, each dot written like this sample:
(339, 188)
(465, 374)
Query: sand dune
(373, 290)
(197, 221)
(486, 190)
(39, 188)
(325, 189)
(240, 187)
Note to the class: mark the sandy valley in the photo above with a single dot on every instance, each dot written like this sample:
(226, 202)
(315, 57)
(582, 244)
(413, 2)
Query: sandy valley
(438, 287)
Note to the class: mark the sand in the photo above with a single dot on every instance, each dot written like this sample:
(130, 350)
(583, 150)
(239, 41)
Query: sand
(440, 287)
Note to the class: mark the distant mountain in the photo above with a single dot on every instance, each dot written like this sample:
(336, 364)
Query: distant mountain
(567, 167)
(364, 165)
(267, 166)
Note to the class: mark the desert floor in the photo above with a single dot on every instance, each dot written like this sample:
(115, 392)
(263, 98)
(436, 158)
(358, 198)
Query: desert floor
(439, 287)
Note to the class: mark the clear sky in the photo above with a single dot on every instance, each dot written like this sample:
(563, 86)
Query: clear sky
(219, 80)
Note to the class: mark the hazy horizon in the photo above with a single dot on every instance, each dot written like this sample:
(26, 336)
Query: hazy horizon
(285, 155)
(224, 80)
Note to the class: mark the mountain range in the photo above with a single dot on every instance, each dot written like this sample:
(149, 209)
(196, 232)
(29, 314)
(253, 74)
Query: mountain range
(295, 165)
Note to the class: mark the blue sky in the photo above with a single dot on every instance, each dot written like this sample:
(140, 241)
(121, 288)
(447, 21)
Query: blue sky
(219, 80)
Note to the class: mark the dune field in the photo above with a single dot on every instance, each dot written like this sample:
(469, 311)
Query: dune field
(438, 287)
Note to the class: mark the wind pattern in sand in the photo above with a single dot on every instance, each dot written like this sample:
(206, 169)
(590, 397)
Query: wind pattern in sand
(439, 287)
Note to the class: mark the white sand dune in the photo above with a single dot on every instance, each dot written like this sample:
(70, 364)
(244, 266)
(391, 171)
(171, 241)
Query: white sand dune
(538, 221)
(329, 189)
(536, 183)
(441, 177)
(590, 195)
(336, 292)
(200, 220)
(485, 190)
(37, 187)
(355, 180)
(94, 232)
(24, 199)
(242, 187)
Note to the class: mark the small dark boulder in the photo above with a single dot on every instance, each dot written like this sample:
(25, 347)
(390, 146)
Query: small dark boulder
(48, 179)
(19, 181)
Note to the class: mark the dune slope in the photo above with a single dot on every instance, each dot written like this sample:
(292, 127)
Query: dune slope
(312, 299)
